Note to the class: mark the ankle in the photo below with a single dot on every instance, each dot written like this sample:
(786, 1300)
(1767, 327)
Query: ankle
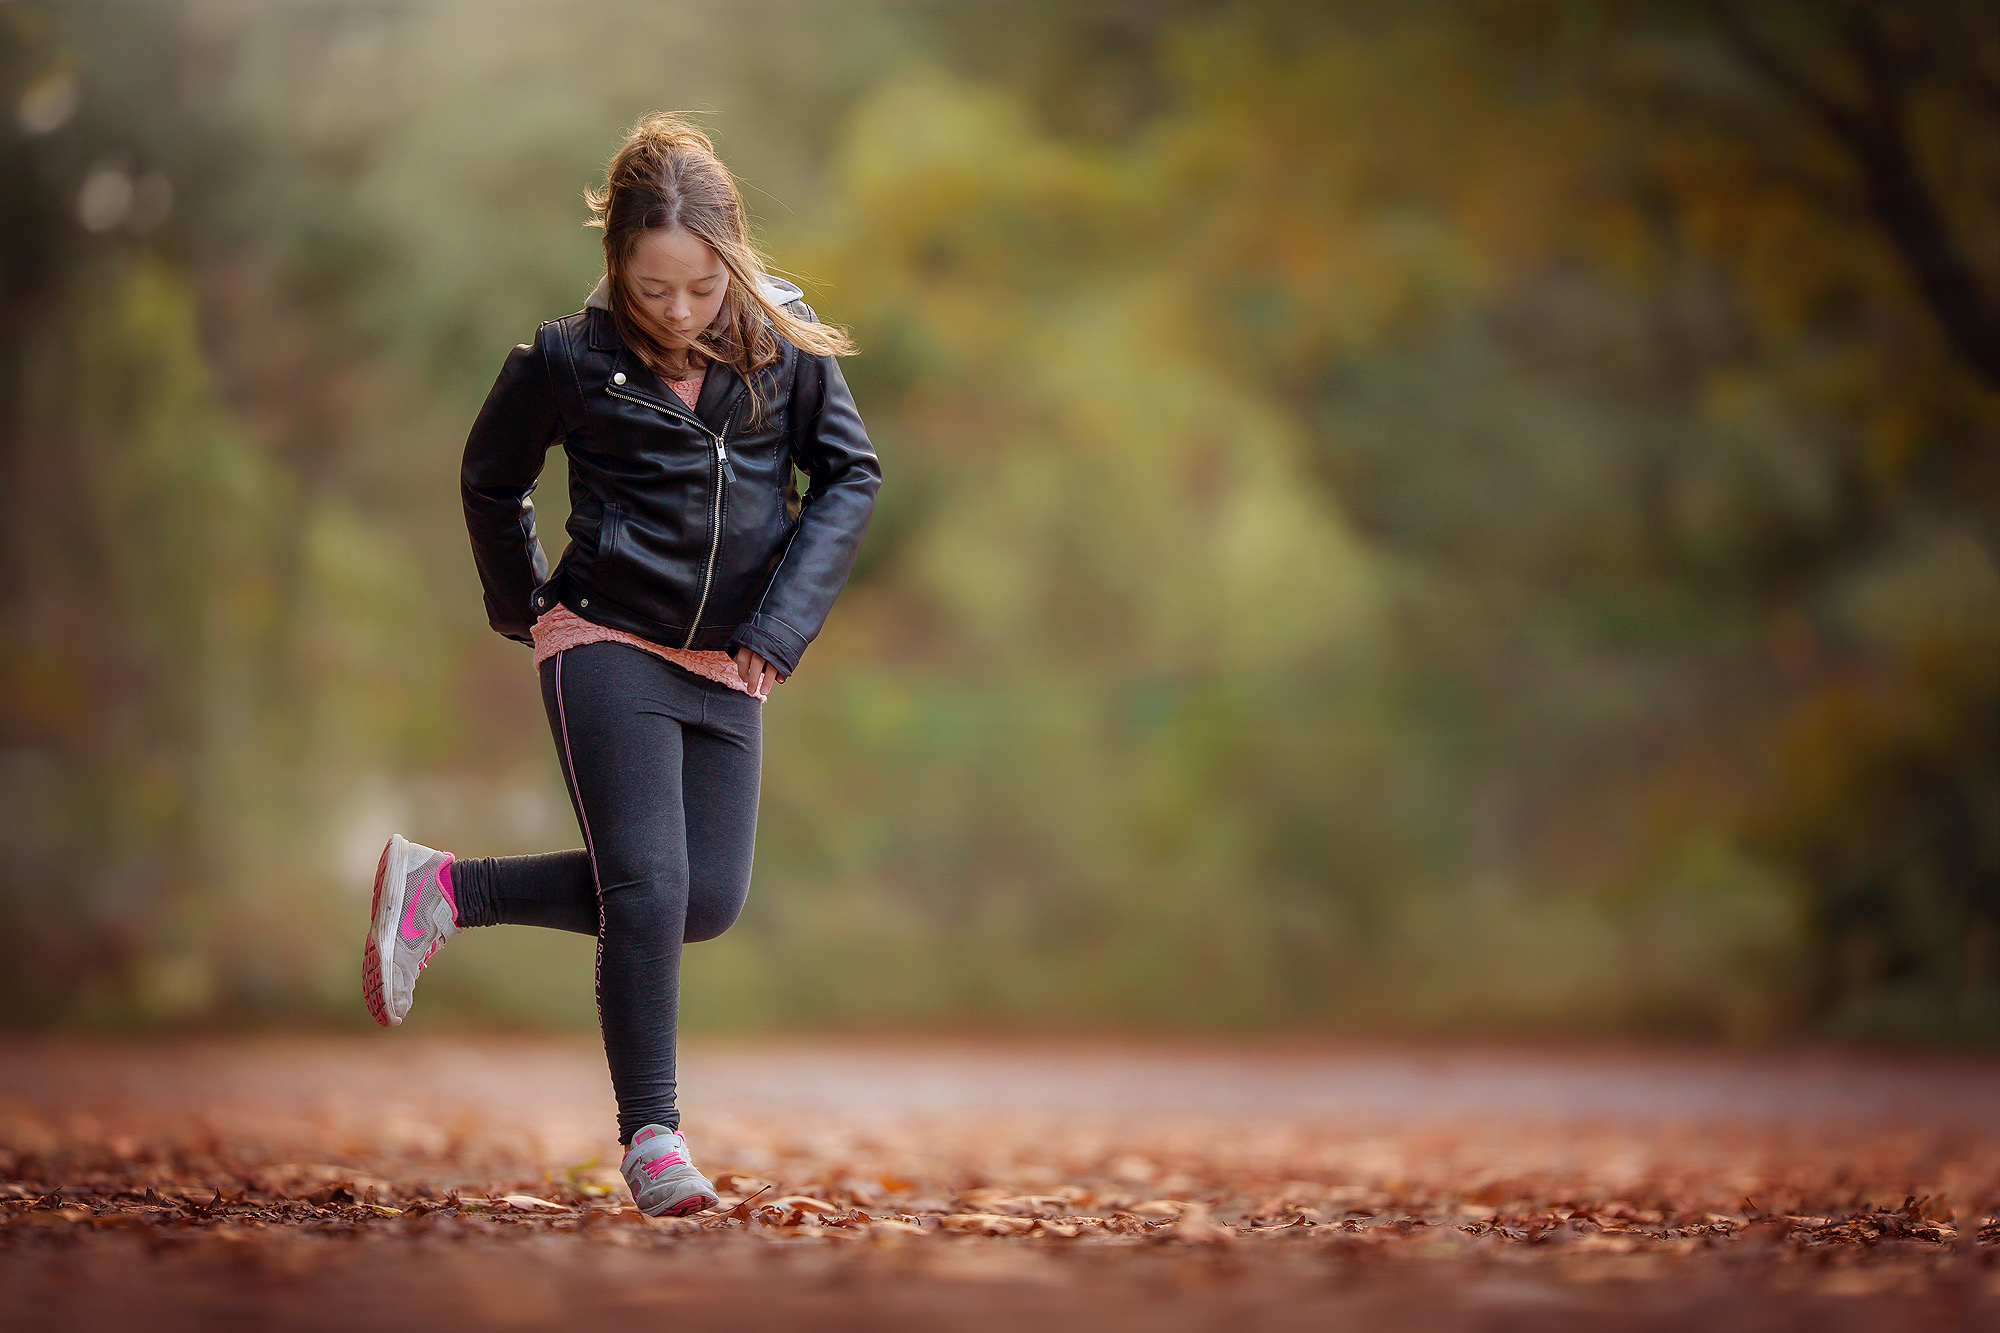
(450, 892)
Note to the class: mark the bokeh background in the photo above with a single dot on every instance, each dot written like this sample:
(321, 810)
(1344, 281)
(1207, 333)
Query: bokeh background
(1401, 517)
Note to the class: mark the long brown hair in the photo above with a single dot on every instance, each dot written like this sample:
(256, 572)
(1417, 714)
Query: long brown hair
(666, 174)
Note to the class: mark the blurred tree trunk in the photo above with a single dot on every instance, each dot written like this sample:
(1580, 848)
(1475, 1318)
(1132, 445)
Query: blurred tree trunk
(1861, 92)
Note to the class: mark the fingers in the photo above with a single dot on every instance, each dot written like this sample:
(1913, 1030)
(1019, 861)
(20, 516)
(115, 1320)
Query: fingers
(758, 676)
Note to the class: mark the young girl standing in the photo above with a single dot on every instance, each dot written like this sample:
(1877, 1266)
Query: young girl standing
(684, 394)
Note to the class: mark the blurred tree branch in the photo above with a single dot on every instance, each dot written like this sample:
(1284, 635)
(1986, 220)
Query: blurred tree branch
(1873, 129)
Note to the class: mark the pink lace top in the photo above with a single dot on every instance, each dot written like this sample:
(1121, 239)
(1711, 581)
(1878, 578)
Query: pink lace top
(559, 627)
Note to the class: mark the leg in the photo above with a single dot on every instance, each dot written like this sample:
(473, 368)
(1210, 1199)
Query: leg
(617, 716)
(685, 879)
(552, 889)
(719, 777)
(720, 769)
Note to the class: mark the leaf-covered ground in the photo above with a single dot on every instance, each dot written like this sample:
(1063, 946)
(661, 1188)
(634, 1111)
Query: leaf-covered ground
(346, 1183)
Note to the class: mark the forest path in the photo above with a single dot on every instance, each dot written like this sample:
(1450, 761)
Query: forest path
(330, 1182)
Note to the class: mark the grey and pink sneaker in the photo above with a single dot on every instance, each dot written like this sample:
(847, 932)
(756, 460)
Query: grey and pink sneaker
(663, 1180)
(415, 913)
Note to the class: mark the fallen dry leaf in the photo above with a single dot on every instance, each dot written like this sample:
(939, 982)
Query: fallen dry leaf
(805, 1203)
(1196, 1228)
(987, 1224)
(528, 1203)
(1161, 1208)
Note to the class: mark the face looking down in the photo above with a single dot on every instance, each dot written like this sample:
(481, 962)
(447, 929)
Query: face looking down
(676, 282)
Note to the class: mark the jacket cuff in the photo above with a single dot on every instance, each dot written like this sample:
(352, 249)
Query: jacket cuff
(509, 622)
(773, 640)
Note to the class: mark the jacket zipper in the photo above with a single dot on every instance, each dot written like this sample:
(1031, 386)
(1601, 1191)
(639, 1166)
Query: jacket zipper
(714, 538)
(722, 474)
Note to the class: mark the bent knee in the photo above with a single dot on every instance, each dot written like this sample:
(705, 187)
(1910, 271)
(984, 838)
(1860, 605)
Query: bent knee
(709, 915)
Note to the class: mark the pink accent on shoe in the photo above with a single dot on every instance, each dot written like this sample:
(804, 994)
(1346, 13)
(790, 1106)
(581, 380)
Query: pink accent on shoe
(410, 930)
(695, 1203)
(662, 1162)
(444, 884)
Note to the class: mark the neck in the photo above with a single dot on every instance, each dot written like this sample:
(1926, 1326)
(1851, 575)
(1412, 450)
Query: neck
(676, 363)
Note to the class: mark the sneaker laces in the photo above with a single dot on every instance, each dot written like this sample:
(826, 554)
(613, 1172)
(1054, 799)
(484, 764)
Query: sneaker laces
(665, 1160)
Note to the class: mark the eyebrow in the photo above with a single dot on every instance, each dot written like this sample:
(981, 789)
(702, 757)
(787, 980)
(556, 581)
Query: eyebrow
(661, 282)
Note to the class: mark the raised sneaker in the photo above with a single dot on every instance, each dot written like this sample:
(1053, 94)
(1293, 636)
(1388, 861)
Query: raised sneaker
(415, 913)
(663, 1180)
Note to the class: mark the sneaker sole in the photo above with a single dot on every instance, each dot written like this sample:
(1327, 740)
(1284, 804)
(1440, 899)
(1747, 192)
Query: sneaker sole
(393, 870)
(700, 1203)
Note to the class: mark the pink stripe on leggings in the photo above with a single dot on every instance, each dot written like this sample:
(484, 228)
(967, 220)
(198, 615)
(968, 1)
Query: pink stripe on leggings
(589, 847)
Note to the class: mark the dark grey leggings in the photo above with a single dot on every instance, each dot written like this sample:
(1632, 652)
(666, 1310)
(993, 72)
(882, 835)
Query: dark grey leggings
(662, 767)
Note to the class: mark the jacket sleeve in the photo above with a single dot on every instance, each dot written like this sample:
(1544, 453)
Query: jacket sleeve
(831, 447)
(503, 456)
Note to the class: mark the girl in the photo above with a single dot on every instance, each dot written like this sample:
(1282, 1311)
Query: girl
(685, 394)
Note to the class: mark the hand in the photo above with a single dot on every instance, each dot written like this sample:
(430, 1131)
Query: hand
(758, 674)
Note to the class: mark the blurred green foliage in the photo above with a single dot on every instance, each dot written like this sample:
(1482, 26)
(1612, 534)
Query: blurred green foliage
(1417, 516)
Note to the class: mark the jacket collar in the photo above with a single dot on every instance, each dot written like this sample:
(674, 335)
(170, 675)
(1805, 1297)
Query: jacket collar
(718, 388)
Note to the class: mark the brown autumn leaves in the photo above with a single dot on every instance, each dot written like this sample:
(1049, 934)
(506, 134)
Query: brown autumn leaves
(1499, 1192)
(293, 1171)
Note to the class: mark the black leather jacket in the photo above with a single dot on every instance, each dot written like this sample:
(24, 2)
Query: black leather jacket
(685, 528)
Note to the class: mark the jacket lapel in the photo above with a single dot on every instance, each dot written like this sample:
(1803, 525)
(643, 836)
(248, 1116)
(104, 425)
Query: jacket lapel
(603, 329)
(718, 388)
(718, 392)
